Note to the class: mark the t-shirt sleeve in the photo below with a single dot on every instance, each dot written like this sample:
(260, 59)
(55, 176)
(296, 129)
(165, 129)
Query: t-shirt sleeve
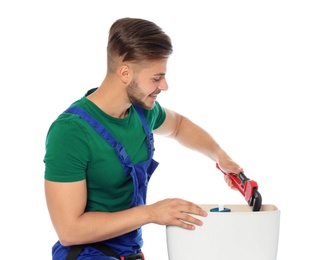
(67, 152)
(158, 115)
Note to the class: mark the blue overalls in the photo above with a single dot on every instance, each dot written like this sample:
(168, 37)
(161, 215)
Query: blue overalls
(130, 243)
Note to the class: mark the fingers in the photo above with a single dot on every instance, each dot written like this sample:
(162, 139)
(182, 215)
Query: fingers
(228, 180)
(181, 206)
(186, 218)
(191, 208)
(230, 166)
(187, 221)
(178, 212)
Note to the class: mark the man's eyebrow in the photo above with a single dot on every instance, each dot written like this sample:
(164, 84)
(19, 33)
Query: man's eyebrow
(160, 74)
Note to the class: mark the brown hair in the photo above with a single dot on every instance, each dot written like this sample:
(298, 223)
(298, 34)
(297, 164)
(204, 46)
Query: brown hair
(136, 40)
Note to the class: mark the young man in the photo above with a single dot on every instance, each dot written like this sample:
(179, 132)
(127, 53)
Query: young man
(99, 152)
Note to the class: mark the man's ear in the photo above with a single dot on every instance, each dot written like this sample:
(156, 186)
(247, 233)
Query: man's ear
(125, 73)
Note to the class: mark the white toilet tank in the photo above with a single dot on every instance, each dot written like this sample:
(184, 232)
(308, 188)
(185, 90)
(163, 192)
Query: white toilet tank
(240, 234)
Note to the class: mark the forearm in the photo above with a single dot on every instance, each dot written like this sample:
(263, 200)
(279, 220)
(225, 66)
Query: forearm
(196, 138)
(97, 226)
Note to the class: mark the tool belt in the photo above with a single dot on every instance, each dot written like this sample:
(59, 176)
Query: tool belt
(106, 250)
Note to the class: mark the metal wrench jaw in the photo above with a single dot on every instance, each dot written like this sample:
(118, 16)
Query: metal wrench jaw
(252, 195)
(256, 201)
(248, 188)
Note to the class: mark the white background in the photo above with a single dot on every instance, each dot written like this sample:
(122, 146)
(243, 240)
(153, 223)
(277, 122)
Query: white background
(249, 72)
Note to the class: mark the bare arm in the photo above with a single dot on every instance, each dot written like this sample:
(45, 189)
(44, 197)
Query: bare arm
(66, 204)
(196, 138)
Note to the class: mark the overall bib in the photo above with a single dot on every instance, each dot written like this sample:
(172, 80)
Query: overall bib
(130, 243)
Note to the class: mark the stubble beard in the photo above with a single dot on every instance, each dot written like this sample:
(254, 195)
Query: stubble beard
(135, 96)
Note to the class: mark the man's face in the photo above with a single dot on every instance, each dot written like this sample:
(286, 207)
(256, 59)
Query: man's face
(150, 81)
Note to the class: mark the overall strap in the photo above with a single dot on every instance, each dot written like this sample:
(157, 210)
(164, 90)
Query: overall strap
(150, 135)
(118, 147)
(75, 251)
(103, 248)
(101, 130)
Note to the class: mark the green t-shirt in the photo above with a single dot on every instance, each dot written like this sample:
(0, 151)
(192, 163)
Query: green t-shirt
(74, 152)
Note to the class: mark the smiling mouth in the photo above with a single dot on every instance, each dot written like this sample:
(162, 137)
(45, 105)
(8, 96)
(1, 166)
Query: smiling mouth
(154, 94)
